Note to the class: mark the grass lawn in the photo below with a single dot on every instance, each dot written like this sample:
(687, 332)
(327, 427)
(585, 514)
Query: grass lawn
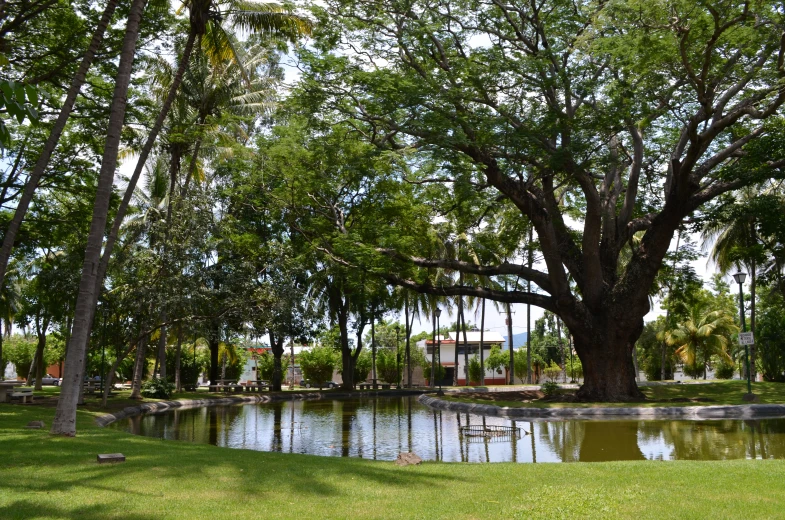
(711, 393)
(50, 477)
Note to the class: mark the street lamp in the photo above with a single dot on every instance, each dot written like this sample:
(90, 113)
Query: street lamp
(397, 356)
(104, 312)
(740, 277)
(438, 313)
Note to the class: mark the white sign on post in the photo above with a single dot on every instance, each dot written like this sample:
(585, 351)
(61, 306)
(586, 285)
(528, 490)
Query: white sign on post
(745, 338)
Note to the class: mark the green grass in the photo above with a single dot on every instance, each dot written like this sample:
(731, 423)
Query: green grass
(720, 392)
(51, 477)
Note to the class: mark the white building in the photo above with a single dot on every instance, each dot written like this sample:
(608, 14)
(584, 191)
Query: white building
(453, 340)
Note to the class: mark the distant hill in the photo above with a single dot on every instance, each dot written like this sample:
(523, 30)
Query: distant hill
(518, 341)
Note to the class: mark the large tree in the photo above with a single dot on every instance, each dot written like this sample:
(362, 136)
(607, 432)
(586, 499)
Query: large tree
(595, 120)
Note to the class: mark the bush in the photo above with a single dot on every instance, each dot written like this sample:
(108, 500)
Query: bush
(724, 370)
(552, 372)
(386, 366)
(426, 372)
(475, 370)
(574, 368)
(157, 388)
(497, 359)
(549, 388)
(318, 364)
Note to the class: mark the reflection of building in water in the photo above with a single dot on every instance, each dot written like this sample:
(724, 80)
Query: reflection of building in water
(454, 340)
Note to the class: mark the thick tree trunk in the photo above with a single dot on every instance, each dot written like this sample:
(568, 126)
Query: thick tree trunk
(482, 344)
(213, 344)
(136, 382)
(608, 371)
(64, 422)
(347, 360)
(39, 355)
(276, 344)
(54, 137)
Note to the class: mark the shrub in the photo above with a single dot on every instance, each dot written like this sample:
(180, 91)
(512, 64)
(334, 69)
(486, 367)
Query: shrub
(552, 372)
(549, 388)
(386, 366)
(574, 368)
(426, 372)
(724, 370)
(318, 364)
(475, 370)
(497, 359)
(157, 388)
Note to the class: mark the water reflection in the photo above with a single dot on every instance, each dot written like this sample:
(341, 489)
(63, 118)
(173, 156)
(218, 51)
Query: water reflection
(382, 428)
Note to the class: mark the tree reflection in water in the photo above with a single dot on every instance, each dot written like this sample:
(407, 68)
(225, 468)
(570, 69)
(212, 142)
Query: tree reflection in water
(384, 427)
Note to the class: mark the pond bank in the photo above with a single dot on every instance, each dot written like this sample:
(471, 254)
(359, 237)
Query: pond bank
(695, 413)
(166, 406)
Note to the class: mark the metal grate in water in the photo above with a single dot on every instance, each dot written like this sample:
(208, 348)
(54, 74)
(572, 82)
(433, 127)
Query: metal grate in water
(477, 433)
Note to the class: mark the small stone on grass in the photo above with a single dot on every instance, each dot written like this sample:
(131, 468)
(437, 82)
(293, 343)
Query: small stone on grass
(110, 457)
(407, 459)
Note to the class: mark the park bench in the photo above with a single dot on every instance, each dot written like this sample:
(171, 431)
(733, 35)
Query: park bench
(226, 388)
(256, 386)
(22, 394)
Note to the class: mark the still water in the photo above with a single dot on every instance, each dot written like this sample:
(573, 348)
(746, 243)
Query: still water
(382, 428)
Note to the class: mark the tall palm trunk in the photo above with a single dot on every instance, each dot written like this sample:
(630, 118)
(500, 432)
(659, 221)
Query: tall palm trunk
(408, 342)
(177, 361)
(136, 382)
(54, 137)
(482, 344)
(64, 422)
(530, 261)
(123, 208)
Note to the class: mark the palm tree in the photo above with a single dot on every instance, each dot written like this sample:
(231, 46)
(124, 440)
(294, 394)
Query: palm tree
(64, 422)
(736, 244)
(704, 334)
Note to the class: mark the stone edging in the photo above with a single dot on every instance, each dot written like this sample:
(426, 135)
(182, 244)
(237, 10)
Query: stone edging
(694, 413)
(166, 406)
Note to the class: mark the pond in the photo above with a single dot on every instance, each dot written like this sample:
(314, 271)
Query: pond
(381, 428)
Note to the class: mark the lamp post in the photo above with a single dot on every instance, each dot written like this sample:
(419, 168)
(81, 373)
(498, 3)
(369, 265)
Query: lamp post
(740, 277)
(397, 356)
(438, 313)
(104, 313)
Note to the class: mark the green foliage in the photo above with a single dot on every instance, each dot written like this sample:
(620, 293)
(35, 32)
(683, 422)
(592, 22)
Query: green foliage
(552, 371)
(17, 100)
(426, 372)
(362, 366)
(574, 368)
(770, 336)
(266, 365)
(475, 370)
(650, 345)
(387, 368)
(724, 370)
(521, 364)
(157, 388)
(19, 350)
(705, 333)
(549, 388)
(497, 359)
(318, 364)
